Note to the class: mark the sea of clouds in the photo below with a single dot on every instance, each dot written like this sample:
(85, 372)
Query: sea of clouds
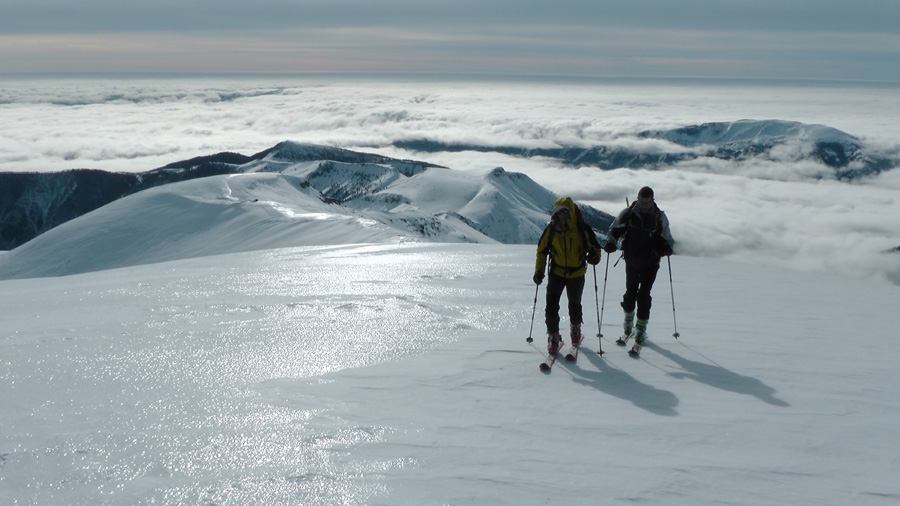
(774, 211)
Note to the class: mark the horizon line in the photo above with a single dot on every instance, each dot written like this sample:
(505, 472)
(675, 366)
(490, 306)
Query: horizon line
(455, 76)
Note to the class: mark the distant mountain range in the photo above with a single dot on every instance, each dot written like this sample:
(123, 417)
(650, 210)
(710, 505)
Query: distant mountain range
(774, 140)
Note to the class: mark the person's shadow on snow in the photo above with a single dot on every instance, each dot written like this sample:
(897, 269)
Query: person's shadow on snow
(616, 382)
(714, 375)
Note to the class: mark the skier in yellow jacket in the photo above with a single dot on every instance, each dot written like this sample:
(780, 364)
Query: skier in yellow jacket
(569, 243)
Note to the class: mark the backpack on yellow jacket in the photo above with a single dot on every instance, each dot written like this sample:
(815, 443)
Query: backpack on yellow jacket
(568, 244)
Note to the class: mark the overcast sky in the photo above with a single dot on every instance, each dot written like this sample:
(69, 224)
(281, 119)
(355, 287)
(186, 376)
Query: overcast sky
(793, 39)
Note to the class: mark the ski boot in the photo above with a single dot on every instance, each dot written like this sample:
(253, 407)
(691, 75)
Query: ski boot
(554, 342)
(575, 334)
(640, 335)
(627, 329)
(628, 324)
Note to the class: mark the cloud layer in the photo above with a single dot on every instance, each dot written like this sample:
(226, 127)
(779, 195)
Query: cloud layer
(748, 211)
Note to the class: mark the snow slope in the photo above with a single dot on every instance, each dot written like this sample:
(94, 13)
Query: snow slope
(399, 374)
(356, 369)
(196, 218)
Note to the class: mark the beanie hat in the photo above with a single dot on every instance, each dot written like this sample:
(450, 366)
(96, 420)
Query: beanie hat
(646, 193)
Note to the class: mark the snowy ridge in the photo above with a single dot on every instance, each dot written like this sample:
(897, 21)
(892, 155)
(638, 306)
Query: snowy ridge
(305, 203)
(31, 204)
(287, 154)
(503, 206)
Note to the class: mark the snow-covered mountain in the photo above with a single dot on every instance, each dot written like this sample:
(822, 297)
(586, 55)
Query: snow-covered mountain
(291, 196)
(32, 203)
(844, 155)
(414, 197)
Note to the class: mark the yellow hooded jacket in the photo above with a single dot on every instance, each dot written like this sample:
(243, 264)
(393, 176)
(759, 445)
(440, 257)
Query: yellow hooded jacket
(565, 245)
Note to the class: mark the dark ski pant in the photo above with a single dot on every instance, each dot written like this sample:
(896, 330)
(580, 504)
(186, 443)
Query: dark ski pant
(555, 287)
(638, 283)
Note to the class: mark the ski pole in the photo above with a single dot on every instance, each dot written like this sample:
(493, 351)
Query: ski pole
(597, 304)
(602, 306)
(672, 293)
(533, 308)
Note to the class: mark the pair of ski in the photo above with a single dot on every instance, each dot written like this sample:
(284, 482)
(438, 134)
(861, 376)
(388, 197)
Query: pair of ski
(571, 356)
(635, 351)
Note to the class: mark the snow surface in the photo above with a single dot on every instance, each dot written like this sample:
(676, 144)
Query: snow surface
(394, 372)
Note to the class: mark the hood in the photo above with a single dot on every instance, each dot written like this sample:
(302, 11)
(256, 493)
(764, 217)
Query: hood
(568, 203)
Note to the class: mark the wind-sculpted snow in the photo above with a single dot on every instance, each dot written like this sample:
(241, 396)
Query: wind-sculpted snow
(840, 155)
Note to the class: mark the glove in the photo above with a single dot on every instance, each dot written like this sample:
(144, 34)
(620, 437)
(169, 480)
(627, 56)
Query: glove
(662, 246)
(538, 277)
(593, 258)
(610, 247)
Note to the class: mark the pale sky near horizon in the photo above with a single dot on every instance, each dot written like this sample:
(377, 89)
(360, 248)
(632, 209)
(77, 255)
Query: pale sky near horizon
(767, 39)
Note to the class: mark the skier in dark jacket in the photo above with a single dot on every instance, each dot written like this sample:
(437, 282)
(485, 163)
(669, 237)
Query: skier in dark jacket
(569, 243)
(643, 230)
